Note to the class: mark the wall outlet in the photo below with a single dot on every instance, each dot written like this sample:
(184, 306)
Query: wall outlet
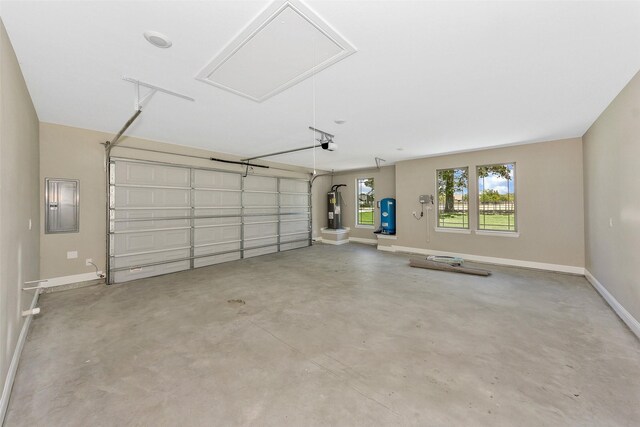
(88, 261)
(72, 254)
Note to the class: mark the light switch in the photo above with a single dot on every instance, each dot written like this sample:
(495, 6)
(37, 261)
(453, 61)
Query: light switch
(72, 254)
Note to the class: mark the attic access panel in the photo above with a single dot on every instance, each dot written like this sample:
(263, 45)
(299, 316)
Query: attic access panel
(284, 45)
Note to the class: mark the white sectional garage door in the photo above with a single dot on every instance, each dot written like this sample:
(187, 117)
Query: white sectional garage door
(165, 218)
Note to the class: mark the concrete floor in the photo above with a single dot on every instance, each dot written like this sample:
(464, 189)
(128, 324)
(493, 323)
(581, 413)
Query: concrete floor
(329, 335)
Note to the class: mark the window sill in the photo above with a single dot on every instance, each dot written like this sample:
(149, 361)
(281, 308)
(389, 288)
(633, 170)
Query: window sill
(453, 230)
(498, 233)
(372, 227)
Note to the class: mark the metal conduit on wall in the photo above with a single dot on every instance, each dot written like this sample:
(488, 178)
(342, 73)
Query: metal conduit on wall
(165, 218)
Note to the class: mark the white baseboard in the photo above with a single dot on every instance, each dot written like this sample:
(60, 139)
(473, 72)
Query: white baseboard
(15, 359)
(363, 240)
(492, 260)
(386, 248)
(626, 317)
(65, 280)
(386, 236)
(334, 242)
(351, 239)
(326, 230)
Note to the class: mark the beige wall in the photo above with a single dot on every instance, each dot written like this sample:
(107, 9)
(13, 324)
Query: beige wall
(384, 185)
(74, 153)
(611, 187)
(549, 192)
(19, 248)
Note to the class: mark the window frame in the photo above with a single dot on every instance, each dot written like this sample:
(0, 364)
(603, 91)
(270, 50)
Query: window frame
(464, 230)
(357, 200)
(510, 233)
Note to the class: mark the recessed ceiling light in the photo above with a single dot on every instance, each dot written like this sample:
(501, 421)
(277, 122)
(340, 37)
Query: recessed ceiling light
(157, 39)
(339, 122)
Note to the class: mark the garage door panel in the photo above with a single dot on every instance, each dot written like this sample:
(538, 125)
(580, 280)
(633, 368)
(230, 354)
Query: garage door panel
(135, 214)
(217, 234)
(301, 210)
(257, 210)
(213, 198)
(252, 231)
(143, 219)
(146, 241)
(228, 216)
(294, 226)
(295, 245)
(294, 218)
(294, 200)
(150, 258)
(260, 199)
(261, 251)
(177, 218)
(218, 221)
(131, 173)
(293, 186)
(260, 183)
(261, 218)
(150, 225)
(155, 270)
(262, 241)
(290, 237)
(216, 179)
(142, 197)
(216, 248)
(217, 259)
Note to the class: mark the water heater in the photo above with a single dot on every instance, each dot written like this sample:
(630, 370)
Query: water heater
(388, 216)
(334, 207)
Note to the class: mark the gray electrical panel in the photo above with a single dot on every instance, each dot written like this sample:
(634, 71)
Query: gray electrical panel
(61, 205)
(425, 198)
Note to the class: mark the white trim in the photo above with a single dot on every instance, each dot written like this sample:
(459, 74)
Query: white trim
(387, 236)
(65, 280)
(363, 240)
(15, 360)
(622, 312)
(371, 227)
(497, 233)
(499, 261)
(386, 248)
(453, 230)
(335, 242)
(340, 231)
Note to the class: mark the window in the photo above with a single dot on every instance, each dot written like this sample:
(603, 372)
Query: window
(453, 198)
(496, 197)
(365, 201)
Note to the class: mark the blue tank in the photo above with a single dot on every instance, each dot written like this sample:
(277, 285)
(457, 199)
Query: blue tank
(388, 215)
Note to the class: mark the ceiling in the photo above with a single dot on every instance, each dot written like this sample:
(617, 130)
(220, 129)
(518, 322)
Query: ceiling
(427, 78)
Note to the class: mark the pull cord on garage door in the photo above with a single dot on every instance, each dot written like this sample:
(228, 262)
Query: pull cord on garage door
(165, 218)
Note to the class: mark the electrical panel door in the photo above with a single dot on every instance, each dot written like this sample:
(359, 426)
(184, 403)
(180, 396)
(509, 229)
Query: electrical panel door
(62, 199)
